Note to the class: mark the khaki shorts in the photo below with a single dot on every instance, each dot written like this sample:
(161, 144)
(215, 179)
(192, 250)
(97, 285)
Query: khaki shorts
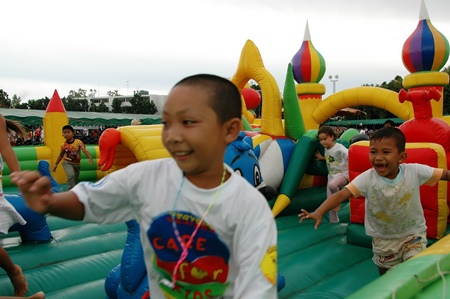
(388, 253)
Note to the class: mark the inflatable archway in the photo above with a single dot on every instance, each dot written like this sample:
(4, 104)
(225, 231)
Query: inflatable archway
(369, 96)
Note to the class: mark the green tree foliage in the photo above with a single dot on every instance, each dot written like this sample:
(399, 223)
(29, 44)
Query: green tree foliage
(141, 105)
(116, 105)
(102, 107)
(92, 107)
(394, 85)
(77, 104)
(15, 101)
(113, 93)
(81, 93)
(39, 104)
(5, 101)
(22, 106)
(77, 100)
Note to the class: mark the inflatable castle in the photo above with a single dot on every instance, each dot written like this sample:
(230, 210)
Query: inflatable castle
(332, 262)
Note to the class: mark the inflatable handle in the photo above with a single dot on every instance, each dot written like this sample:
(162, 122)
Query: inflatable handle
(420, 100)
(107, 144)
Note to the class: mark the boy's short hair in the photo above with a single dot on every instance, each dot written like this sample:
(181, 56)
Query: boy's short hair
(68, 127)
(388, 133)
(327, 130)
(225, 98)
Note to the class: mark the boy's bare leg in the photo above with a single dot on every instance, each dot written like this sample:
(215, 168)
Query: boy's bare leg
(14, 272)
(19, 282)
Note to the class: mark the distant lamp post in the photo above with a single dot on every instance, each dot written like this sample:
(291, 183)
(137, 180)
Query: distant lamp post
(333, 80)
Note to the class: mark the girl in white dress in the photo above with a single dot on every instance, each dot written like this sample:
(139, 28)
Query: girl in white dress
(336, 157)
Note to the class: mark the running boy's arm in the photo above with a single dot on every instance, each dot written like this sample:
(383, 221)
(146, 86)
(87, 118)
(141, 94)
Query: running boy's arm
(37, 192)
(86, 152)
(61, 155)
(330, 203)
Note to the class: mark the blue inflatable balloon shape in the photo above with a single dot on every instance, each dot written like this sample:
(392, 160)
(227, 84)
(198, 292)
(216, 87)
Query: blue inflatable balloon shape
(128, 280)
(239, 155)
(36, 229)
(281, 282)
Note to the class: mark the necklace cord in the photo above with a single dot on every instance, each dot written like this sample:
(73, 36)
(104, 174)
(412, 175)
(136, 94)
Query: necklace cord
(184, 246)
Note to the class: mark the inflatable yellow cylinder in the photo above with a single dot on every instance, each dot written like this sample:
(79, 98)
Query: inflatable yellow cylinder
(54, 119)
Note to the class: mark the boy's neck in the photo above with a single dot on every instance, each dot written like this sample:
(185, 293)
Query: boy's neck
(209, 182)
(70, 140)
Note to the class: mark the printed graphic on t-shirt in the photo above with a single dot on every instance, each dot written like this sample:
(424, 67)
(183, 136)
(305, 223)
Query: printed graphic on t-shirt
(392, 206)
(269, 265)
(72, 151)
(334, 162)
(204, 271)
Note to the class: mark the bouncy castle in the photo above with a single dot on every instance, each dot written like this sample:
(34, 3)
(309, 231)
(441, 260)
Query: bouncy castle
(78, 260)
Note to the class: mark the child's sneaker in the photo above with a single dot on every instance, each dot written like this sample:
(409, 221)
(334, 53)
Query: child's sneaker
(334, 217)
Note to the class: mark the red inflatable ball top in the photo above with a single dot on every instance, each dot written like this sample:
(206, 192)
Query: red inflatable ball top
(251, 97)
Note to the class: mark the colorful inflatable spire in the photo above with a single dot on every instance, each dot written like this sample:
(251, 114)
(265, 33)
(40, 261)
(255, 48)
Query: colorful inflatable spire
(426, 49)
(55, 118)
(308, 64)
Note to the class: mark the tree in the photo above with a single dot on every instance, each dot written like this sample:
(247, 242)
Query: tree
(142, 105)
(113, 93)
(92, 93)
(77, 104)
(102, 107)
(137, 104)
(152, 109)
(77, 100)
(92, 107)
(5, 101)
(22, 106)
(15, 101)
(81, 93)
(39, 104)
(116, 105)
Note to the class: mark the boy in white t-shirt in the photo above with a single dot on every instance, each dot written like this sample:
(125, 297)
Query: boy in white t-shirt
(205, 230)
(394, 216)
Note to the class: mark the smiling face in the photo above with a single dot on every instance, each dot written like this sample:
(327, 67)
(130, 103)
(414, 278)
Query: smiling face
(194, 136)
(385, 157)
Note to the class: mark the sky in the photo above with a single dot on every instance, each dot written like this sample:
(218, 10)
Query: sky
(152, 44)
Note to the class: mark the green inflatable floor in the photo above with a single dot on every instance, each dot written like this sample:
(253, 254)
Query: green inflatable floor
(333, 261)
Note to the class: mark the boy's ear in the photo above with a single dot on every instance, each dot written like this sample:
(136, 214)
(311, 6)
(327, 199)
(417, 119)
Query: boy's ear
(233, 127)
(402, 157)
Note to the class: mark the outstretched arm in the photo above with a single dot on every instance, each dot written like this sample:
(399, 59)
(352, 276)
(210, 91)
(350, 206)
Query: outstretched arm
(330, 203)
(61, 155)
(86, 152)
(37, 192)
